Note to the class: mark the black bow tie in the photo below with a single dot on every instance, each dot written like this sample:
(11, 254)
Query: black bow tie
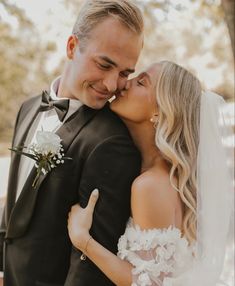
(61, 106)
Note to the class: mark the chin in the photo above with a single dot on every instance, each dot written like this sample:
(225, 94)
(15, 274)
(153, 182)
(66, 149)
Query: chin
(96, 104)
(93, 102)
(112, 106)
(115, 108)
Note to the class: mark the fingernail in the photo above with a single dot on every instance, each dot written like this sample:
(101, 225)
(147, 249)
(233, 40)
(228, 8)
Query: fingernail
(96, 192)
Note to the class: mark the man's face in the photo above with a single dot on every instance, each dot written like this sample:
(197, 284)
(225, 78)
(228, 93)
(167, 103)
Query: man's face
(102, 67)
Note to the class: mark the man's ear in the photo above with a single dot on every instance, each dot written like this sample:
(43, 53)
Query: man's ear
(72, 44)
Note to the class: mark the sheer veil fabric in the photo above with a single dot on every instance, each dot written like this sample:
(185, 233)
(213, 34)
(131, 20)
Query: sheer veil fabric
(215, 186)
(215, 195)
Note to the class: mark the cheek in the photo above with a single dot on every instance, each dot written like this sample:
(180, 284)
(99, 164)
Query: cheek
(122, 83)
(76, 73)
(138, 98)
(139, 107)
(84, 70)
(132, 107)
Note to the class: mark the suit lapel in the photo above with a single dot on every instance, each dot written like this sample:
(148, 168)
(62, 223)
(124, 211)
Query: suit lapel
(23, 209)
(69, 130)
(30, 114)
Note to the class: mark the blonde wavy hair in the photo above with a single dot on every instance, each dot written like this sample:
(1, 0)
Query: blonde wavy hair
(178, 95)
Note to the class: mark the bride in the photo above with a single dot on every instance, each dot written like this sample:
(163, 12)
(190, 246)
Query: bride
(180, 203)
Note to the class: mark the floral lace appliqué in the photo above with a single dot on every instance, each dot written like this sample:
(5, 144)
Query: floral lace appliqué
(155, 254)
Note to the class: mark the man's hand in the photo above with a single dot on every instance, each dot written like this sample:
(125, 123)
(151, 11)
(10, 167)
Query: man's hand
(80, 221)
(1, 281)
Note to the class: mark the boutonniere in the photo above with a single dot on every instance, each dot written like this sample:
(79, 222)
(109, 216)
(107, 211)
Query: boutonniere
(47, 152)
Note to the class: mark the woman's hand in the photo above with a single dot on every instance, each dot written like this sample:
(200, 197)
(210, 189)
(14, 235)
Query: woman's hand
(80, 221)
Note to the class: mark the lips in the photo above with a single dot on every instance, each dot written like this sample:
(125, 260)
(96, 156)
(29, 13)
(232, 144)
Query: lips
(101, 94)
(120, 94)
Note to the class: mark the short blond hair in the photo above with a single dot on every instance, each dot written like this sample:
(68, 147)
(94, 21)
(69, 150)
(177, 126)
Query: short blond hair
(94, 12)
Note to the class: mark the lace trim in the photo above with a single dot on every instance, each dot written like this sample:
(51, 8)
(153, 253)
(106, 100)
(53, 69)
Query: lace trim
(154, 253)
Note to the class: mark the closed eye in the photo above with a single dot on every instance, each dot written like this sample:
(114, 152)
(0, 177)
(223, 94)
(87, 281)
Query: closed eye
(103, 67)
(140, 82)
(124, 74)
(144, 79)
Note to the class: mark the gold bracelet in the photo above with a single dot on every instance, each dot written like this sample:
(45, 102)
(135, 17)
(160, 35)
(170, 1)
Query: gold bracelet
(83, 256)
(89, 239)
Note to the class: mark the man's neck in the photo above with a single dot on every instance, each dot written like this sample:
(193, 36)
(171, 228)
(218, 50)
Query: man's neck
(63, 90)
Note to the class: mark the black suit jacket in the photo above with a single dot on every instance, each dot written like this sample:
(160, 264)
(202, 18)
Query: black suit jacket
(38, 251)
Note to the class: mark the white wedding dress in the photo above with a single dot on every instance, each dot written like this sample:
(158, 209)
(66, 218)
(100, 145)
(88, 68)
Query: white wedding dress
(158, 256)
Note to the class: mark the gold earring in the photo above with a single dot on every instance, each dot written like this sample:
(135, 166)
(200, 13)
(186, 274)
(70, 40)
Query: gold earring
(154, 120)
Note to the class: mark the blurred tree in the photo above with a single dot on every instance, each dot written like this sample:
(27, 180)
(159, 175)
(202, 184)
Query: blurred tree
(22, 64)
(192, 33)
(229, 11)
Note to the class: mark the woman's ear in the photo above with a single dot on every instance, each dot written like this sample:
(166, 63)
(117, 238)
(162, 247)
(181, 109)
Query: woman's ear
(72, 44)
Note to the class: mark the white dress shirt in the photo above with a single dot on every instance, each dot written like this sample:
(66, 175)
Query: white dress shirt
(47, 121)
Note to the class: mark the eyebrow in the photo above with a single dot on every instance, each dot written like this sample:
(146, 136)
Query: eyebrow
(111, 62)
(146, 75)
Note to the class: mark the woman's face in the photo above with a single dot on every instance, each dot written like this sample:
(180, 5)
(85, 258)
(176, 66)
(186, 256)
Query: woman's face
(138, 102)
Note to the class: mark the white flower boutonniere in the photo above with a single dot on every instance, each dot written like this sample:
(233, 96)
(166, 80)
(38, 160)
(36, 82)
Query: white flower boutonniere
(47, 152)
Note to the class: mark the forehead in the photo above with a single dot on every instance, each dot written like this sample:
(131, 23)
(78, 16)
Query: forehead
(112, 39)
(153, 69)
(153, 72)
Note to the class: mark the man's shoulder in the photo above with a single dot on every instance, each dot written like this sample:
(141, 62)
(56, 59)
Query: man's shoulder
(32, 100)
(109, 123)
(27, 105)
(106, 128)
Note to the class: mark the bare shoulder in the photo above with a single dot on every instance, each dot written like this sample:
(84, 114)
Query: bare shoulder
(153, 183)
(153, 199)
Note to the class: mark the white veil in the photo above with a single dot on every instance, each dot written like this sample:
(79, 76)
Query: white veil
(215, 195)
(215, 190)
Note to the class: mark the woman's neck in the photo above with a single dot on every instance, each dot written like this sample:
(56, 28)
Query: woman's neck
(143, 135)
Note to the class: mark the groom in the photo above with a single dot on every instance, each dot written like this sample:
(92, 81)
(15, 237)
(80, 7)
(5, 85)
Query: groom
(101, 53)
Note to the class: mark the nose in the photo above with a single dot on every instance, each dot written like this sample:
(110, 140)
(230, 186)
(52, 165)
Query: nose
(111, 82)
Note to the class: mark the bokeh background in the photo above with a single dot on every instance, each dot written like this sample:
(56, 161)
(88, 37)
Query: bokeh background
(198, 34)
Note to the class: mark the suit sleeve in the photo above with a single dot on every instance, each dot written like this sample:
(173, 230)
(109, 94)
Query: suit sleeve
(111, 167)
